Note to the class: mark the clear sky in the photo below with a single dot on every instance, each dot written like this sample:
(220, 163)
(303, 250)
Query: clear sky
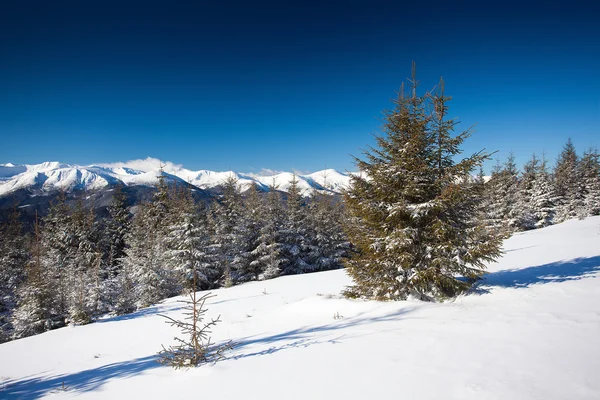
(286, 85)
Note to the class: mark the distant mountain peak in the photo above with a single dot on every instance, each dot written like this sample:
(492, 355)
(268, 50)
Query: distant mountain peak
(53, 176)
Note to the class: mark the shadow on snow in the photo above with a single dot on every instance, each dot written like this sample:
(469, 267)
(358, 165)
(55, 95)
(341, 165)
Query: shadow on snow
(144, 312)
(81, 382)
(561, 271)
(307, 336)
(86, 381)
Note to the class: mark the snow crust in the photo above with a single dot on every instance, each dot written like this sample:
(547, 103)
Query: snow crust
(49, 176)
(529, 331)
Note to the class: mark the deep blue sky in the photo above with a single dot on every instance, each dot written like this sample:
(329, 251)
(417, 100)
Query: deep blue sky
(252, 85)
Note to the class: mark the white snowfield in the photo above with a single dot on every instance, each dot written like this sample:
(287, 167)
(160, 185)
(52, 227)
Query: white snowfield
(51, 176)
(530, 330)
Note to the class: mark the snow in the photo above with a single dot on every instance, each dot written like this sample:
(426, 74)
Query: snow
(49, 176)
(528, 331)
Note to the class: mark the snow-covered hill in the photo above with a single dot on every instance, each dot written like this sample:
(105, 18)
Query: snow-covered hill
(52, 176)
(529, 331)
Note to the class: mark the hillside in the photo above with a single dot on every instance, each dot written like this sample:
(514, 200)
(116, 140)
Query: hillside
(528, 331)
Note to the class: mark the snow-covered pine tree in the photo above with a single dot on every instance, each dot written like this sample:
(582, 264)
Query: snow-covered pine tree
(255, 219)
(543, 198)
(294, 233)
(415, 234)
(83, 267)
(14, 256)
(37, 300)
(501, 197)
(58, 242)
(568, 183)
(328, 243)
(230, 248)
(145, 262)
(491, 209)
(116, 294)
(188, 243)
(589, 167)
(268, 254)
(523, 210)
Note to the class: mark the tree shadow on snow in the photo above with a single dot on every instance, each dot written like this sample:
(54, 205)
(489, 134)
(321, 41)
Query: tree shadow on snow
(79, 382)
(308, 336)
(561, 271)
(144, 312)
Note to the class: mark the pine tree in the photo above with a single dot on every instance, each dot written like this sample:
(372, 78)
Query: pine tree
(37, 301)
(58, 242)
(83, 271)
(543, 199)
(523, 211)
(568, 183)
(188, 243)
(146, 262)
(414, 207)
(116, 290)
(589, 170)
(14, 256)
(230, 234)
(268, 254)
(294, 233)
(328, 244)
(255, 218)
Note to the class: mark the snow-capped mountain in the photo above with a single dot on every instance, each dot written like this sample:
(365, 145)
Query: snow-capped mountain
(54, 176)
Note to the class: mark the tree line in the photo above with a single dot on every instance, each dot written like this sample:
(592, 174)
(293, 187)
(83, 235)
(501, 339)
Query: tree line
(76, 266)
(539, 195)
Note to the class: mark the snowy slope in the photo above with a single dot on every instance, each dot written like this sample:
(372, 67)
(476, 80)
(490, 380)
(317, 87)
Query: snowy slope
(529, 331)
(51, 176)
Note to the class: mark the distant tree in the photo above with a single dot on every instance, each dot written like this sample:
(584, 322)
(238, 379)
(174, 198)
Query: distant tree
(328, 244)
(589, 170)
(14, 256)
(188, 244)
(543, 198)
(413, 207)
(294, 233)
(116, 291)
(37, 302)
(146, 261)
(230, 248)
(523, 211)
(568, 183)
(268, 254)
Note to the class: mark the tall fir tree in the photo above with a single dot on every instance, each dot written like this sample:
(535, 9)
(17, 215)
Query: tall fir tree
(415, 234)
(523, 212)
(189, 243)
(589, 170)
(230, 248)
(37, 302)
(543, 198)
(568, 183)
(295, 232)
(14, 256)
(328, 244)
(268, 254)
(145, 265)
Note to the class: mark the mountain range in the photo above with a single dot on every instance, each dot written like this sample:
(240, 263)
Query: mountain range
(33, 188)
(49, 177)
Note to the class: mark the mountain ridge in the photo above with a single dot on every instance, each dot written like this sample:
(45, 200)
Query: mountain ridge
(52, 176)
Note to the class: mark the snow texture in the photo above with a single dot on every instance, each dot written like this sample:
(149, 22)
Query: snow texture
(529, 330)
